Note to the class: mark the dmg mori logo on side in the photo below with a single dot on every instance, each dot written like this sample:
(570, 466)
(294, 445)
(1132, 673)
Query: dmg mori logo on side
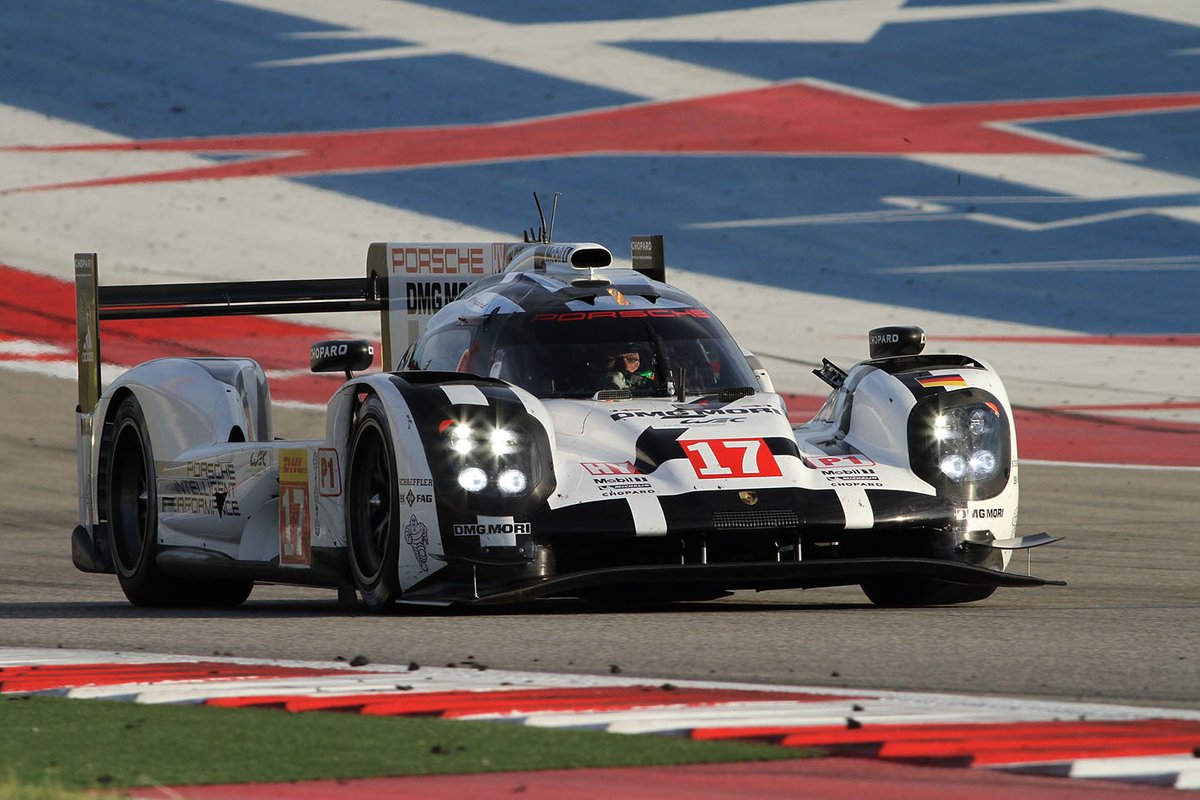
(492, 528)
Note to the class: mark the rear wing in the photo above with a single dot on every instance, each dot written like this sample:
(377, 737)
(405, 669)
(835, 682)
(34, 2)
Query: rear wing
(94, 303)
(406, 282)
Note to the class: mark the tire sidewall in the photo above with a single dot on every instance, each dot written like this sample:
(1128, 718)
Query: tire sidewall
(379, 587)
(141, 581)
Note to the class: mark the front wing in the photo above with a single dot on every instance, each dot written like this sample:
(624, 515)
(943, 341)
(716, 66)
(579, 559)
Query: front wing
(748, 575)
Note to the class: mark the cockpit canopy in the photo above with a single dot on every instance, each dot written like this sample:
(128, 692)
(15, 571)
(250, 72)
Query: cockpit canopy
(562, 353)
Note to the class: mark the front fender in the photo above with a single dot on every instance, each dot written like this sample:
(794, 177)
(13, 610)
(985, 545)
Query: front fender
(442, 522)
(889, 407)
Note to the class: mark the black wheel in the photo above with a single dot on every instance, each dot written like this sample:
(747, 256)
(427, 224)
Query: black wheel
(900, 591)
(372, 509)
(132, 509)
(908, 592)
(133, 524)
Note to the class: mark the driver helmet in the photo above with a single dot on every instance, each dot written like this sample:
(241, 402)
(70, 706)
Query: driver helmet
(632, 359)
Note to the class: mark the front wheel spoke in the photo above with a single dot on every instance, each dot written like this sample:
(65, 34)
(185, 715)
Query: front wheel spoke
(381, 529)
(371, 504)
(143, 507)
(381, 478)
(382, 473)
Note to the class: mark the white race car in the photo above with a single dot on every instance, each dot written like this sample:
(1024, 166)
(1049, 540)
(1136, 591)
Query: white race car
(545, 424)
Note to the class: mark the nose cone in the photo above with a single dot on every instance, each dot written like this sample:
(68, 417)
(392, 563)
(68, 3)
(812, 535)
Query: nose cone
(703, 434)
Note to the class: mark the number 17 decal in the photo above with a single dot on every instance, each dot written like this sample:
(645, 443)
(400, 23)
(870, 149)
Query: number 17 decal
(731, 458)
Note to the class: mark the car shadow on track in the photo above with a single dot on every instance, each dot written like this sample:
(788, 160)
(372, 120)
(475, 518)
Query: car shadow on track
(283, 609)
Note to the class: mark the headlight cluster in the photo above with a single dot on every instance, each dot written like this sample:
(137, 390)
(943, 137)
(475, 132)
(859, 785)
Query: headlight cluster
(961, 443)
(966, 442)
(488, 457)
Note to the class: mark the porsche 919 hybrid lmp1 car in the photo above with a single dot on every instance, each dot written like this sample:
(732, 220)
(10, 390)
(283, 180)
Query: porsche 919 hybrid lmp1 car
(546, 424)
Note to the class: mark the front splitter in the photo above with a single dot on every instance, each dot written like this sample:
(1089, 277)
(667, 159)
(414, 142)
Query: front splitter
(744, 576)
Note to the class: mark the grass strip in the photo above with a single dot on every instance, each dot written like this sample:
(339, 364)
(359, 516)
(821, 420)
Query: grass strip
(67, 744)
(12, 789)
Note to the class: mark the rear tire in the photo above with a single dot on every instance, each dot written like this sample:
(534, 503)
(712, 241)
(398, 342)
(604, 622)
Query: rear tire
(373, 509)
(133, 525)
(133, 509)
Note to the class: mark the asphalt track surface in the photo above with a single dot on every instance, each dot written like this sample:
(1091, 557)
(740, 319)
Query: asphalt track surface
(1124, 630)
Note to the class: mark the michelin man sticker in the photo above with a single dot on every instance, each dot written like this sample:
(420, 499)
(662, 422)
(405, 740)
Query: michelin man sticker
(417, 535)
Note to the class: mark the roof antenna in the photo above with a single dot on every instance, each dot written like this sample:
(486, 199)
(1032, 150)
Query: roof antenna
(553, 214)
(543, 235)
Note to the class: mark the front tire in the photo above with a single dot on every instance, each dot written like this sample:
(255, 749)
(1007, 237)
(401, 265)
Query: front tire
(911, 592)
(903, 591)
(133, 525)
(372, 509)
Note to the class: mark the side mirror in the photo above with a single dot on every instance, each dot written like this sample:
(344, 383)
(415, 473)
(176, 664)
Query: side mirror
(896, 340)
(338, 355)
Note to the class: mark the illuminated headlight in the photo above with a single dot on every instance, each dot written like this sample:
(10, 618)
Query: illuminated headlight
(462, 439)
(953, 467)
(512, 481)
(942, 429)
(504, 442)
(473, 479)
(982, 465)
(979, 466)
(961, 442)
(967, 440)
(493, 460)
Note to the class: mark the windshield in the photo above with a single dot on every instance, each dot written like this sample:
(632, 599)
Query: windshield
(580, 353)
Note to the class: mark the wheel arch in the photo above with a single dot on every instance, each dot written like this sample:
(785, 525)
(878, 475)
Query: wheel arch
(417, 562)
(114, 402)
(185, 403)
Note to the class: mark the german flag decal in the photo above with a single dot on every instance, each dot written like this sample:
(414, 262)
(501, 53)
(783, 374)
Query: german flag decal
(944, 381)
